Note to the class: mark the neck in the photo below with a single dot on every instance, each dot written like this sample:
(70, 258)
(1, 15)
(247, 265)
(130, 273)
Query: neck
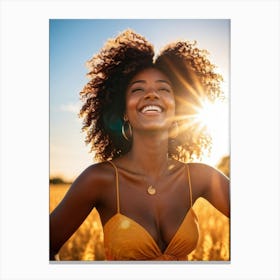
(150, 154)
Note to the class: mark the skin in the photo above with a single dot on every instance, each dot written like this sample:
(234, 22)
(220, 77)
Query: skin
(146, 163)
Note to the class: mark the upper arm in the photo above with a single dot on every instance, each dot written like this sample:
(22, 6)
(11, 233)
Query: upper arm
(82, 196)
(212, 185)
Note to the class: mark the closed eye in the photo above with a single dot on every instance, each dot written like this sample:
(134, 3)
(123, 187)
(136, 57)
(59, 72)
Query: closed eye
(137, 90)
(164, 89)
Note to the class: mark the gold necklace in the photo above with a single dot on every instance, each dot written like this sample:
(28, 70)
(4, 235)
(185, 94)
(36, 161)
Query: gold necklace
(151, 190)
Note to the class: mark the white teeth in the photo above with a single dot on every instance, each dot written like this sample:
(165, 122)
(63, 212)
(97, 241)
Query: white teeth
(151, 108)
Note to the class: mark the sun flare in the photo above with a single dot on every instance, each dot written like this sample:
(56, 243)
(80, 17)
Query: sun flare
(215, 118)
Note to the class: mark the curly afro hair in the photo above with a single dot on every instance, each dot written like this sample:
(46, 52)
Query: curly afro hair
(192, 76)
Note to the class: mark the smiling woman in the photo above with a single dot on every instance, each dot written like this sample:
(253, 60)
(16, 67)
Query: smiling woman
(150, 103)
(140, 115)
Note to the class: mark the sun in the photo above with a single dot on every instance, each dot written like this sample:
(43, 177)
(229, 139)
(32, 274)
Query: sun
(209, 118)
(214, 116)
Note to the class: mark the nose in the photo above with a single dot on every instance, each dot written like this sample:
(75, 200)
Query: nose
(151, 94)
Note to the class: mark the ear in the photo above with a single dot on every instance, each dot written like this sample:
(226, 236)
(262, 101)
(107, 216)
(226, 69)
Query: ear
(125, 118)
(174, 130)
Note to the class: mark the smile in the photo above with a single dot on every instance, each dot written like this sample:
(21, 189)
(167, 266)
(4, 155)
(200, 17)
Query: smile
(151, 108)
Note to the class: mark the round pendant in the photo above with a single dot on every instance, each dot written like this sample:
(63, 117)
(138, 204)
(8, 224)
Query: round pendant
(151, 190)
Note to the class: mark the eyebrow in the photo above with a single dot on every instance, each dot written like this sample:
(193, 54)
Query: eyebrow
(143, 82)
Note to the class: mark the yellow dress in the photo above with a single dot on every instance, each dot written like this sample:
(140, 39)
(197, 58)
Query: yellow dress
(125, 239)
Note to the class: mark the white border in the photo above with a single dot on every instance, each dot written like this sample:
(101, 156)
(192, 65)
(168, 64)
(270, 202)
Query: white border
(254, 134)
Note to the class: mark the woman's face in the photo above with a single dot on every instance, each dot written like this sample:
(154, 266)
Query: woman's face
(150, 103)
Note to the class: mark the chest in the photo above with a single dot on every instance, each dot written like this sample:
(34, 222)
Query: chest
(160, 214)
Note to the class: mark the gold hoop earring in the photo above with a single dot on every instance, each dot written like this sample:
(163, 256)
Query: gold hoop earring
(174, 131)
(124, 130)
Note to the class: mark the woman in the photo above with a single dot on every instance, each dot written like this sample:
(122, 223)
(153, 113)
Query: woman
(138, 116)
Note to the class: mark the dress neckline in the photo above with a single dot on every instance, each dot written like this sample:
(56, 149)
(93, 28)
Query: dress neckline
(146, 232)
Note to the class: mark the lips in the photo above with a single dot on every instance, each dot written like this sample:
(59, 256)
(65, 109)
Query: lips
(151, 109)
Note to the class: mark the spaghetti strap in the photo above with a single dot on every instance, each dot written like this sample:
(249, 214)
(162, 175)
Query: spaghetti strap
(117, 185)
(190, 185)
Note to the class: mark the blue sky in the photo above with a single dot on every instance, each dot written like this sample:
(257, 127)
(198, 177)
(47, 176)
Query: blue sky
(73, 42)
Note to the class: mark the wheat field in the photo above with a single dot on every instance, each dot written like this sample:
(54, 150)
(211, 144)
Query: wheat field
(87, 242)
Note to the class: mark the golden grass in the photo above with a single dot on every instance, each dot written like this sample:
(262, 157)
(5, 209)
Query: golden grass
(87, 242)
(213, 244)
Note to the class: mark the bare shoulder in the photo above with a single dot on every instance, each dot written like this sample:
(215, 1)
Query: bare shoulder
(95, 178)
(96, 172)
(197, 168)
(203, 177)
